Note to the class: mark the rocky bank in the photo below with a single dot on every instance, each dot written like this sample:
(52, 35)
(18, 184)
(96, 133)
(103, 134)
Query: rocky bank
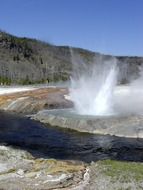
(130, 126)
(20, 170)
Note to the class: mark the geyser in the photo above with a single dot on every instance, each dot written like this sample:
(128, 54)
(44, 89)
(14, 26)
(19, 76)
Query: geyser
(92, 85)
(100, 106)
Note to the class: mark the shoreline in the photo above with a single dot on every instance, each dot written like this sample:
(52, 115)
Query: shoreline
(34, 100)
(120, 126)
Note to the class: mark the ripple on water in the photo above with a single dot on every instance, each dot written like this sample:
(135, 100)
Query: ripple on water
(46, 141)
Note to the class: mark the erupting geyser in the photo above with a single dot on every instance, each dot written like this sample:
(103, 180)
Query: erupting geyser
(100, 106)
(92, 86)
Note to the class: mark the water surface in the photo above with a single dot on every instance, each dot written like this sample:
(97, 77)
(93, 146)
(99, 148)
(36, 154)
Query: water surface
(53, 142)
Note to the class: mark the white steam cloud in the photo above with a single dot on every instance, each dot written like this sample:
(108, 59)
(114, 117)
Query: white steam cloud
(94, 89)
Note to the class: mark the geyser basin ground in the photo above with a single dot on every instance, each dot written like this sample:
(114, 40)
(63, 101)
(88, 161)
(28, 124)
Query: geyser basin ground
(118, 125)
(125, 121)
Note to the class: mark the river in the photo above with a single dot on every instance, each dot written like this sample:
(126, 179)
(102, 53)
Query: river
(53, 142)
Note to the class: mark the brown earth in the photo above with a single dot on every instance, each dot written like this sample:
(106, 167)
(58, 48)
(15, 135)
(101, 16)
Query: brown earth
(35, 100)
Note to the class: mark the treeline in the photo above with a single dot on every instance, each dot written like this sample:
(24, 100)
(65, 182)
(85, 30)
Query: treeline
(5, 81)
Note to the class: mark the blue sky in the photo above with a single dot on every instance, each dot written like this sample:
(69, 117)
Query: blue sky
(106, 26)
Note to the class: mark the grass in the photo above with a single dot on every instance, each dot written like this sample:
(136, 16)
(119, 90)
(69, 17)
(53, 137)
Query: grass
(125, 171)
(54, 166)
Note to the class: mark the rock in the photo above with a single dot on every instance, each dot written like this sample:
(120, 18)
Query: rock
(20, 170)
(121, 126)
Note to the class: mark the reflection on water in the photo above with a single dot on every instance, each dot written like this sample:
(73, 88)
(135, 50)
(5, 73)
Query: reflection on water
(59, 143)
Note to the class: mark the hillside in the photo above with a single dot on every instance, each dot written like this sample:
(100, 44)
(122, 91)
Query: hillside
(27, 61)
